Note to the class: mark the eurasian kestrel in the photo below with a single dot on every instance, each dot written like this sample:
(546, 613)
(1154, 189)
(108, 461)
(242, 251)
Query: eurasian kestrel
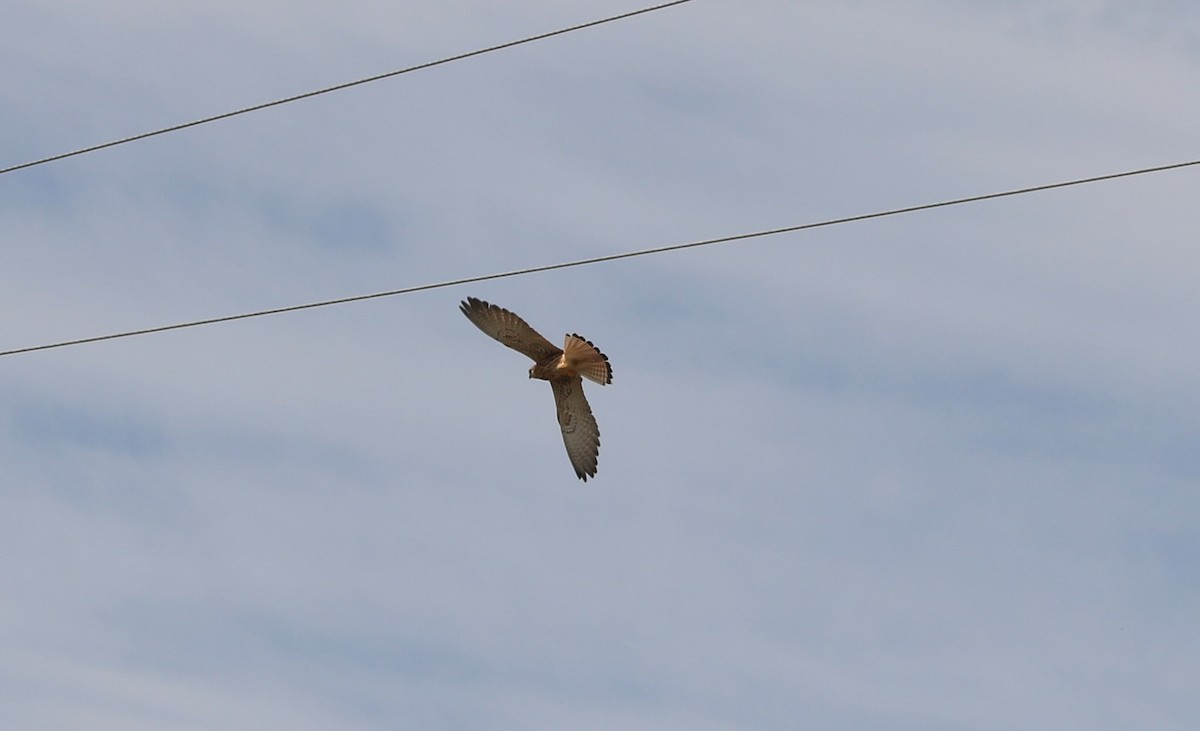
(562, 368)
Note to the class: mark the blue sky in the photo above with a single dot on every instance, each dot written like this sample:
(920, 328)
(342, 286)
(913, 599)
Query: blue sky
(935, 471)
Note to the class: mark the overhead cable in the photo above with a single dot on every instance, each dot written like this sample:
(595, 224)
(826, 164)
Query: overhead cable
(607, 258)
(339, 87)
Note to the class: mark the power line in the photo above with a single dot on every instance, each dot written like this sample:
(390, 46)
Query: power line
(609, 257)
(339, 87)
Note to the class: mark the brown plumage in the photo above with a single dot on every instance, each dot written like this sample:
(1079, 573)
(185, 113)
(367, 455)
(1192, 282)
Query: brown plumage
(563, 367)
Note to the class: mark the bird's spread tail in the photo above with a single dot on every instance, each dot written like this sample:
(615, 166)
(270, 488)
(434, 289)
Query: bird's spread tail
(586, 359)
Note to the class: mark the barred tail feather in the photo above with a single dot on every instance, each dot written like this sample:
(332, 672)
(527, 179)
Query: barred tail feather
(586, 359)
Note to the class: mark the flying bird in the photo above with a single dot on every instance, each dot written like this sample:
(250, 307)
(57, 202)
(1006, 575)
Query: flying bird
(565, 368)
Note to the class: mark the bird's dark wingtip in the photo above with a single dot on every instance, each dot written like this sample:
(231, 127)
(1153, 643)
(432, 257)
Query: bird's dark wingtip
(471, 303)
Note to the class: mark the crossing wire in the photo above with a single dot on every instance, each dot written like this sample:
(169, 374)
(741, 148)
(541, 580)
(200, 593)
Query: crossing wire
(607, 258)
(339, 87)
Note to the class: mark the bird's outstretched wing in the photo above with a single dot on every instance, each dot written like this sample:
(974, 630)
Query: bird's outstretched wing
(580, 433)
(508, 328)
